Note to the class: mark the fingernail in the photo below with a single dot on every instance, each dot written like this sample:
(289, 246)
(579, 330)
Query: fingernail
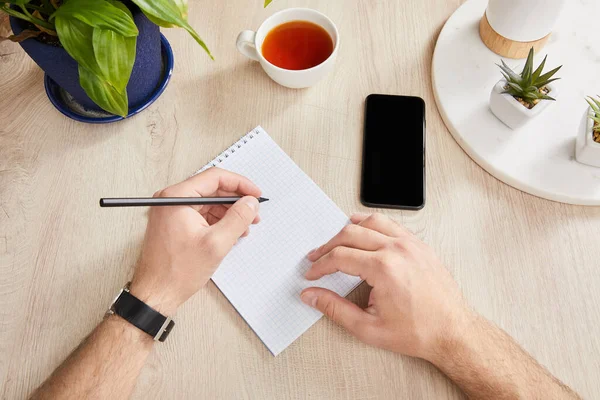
(252, 203)
(358, 215)
(313, 251)
(309, 299)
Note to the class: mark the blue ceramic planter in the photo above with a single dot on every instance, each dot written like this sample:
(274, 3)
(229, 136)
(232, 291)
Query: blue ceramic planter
(62, 69)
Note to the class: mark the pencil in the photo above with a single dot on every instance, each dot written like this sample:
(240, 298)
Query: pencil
(169, 201)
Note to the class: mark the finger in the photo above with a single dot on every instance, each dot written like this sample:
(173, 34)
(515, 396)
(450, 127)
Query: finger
(211, 219)
(340, 310)
(235, 221)
(344, 259)
(214, 179)
(224, 193)
(382, 224)
(218, 211)
(354, 236)
(357, 218)
(246, 233)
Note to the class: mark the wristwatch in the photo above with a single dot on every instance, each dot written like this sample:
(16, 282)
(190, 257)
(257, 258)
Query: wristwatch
(141, 315)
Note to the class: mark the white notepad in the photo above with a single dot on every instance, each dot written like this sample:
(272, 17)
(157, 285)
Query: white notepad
(263, 275)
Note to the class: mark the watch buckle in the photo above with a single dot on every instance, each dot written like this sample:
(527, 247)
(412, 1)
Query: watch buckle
(111, 308)
(162, 329)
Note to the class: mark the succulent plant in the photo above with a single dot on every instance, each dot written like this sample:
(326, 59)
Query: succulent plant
(529, 86)
(595, 104)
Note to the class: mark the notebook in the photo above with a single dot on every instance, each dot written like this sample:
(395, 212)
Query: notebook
(263, 275)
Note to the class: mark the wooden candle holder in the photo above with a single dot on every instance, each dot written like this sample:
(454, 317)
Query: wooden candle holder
(506, 47)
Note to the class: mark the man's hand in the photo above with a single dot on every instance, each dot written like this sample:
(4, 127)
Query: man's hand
(184, 245)
(416, 308)
(182, 248)
(414, 300)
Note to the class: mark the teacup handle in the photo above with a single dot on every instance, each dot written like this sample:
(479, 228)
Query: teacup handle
(245, 44)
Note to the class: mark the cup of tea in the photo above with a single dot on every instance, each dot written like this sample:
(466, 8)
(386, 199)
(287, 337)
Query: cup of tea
(296, 47)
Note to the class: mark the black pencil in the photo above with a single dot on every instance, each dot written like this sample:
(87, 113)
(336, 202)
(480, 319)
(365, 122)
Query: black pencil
(169, 201)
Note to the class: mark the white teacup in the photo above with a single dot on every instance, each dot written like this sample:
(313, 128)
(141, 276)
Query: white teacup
(249, 43)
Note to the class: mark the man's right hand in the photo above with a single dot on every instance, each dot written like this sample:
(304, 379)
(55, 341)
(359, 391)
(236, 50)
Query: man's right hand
(414, 302)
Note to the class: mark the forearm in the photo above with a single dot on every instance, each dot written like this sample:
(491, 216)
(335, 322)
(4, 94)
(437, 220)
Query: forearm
(485, 362)
(105, 365)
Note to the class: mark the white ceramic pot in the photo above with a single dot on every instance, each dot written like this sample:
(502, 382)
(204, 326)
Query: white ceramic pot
(523, 20)
(510, 111)
(587, 151)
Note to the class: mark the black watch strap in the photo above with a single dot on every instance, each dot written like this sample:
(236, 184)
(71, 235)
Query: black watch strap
(141, 315)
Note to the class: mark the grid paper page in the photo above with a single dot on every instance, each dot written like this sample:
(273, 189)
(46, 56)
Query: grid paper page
(263, 275)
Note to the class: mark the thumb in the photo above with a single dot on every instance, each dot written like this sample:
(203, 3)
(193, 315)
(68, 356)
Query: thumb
(237, 219)
(340, 310)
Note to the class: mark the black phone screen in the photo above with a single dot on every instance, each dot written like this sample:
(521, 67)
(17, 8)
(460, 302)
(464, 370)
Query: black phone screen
(393, 170)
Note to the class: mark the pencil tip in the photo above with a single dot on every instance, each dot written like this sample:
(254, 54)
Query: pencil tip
(262, 199)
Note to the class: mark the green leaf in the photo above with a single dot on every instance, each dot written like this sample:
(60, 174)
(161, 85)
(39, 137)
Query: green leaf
(77, 39)
(515, 87)
(549, 75)
(102, 93)
(181, 4)
(595, 106)
(539, 70)
(168, 13)
(544, 83)
(512, 74)
(165, 10)
(159, 21)
(17, 2)
(267, 2)
(99, 14)
(115, 55)
(183, 7)
(528, 65)
(13, 13)
(122, 6)
(197, 38)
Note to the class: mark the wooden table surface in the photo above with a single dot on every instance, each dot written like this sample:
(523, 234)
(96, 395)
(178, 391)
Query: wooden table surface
(528, 264)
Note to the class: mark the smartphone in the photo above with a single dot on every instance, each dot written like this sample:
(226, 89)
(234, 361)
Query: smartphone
(393, 164)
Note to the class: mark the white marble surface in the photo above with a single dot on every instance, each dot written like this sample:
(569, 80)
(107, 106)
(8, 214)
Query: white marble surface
(538, 158)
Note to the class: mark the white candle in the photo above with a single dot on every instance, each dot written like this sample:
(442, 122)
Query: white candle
(523, 20)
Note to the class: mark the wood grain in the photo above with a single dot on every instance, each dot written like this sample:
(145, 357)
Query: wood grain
(528, 264)
(506, 47)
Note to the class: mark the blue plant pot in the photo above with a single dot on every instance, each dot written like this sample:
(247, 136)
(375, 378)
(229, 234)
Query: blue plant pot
(58, 65)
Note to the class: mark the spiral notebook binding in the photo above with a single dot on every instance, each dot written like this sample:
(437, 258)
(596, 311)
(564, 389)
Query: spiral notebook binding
(231, 149)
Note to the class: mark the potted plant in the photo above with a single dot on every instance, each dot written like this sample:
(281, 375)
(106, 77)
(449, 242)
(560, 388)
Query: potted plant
(587, 146)
(105, 53)
(517, 98)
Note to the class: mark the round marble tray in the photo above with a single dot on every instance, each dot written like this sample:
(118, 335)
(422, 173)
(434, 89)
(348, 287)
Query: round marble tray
(540, 157)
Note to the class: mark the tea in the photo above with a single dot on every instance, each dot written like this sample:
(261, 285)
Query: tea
(297, 45)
